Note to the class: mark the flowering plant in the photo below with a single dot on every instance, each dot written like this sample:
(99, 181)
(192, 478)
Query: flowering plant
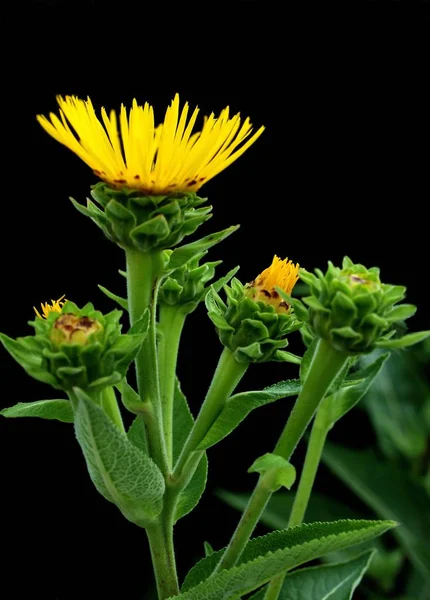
(154, 470)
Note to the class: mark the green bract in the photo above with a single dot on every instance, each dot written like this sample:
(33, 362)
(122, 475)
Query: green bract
(252, 330)
(144, 222)
(352, 309)
(78, 348)
(186, 286)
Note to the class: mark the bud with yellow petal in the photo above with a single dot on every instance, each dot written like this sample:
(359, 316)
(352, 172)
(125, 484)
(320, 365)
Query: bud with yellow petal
(255, 321)
(75, 347)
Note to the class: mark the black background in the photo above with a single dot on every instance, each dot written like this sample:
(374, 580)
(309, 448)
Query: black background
(342, 168)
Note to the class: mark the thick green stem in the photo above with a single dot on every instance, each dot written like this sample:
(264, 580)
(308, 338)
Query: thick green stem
(226, 377)
(110, 406)
(307, 479)
(326, 364)
(143, 270)
(160, 538)
(171, 322)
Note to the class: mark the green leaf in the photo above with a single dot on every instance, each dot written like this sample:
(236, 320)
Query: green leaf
(141, 326)
(402, 312)
(327, 582)
(386, 564)
(208, 549)
(267, 556)
(391, 494)
(240, 405)
(180, 256)
(118, 469)
(307, 359)
(118, 299)
(130, 398)
(61, 410)
(182, 424)
(137, 434)
(20, 352)
(405, 341)
(336, 405)
(277, 471)
(400, 425)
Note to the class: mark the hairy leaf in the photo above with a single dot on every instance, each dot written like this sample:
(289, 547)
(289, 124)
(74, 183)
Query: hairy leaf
(118, 469)
(267, 556)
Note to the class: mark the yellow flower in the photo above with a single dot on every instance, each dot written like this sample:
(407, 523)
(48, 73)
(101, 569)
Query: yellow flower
(47, 308)
(282, 274)
(139, 155)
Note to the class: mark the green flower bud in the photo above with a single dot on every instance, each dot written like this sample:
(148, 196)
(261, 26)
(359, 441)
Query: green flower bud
(185, 287)
(75, 347)
(134, 220)
(351, 309)
(255, 321)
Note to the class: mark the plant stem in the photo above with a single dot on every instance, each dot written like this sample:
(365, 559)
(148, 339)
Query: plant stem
(143, 270)
(226, 377)
(160, 538)
(171, 322)
(312, 460)
(326, 364)
(110, 406)
(313, 457)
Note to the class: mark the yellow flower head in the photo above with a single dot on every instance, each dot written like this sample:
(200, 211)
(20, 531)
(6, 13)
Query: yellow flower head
(47, 308)
(138, 155)
(282, 274)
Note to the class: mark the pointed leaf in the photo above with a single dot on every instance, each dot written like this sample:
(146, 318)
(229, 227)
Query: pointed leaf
(141, 326)
(405, 341)
(182, 424)
(267, 556)
(118, 469)
(307, 360)
(336, 405)
(327, 582)
(240, 405)
(20, 351)
(208, 549)
(121, 301)
(391, 494)
(61, 410)
(180, 256)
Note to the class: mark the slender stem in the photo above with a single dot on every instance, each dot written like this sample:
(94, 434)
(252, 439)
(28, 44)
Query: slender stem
(160, 538)
(326, 364)
(110, 406)
(307, 479)
(226, 377)
(143, 270)
(313, 457)
(171, 322)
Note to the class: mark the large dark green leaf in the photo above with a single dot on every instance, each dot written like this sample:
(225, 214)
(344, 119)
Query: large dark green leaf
(328, 582)
(391, 494)
(396, 403)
